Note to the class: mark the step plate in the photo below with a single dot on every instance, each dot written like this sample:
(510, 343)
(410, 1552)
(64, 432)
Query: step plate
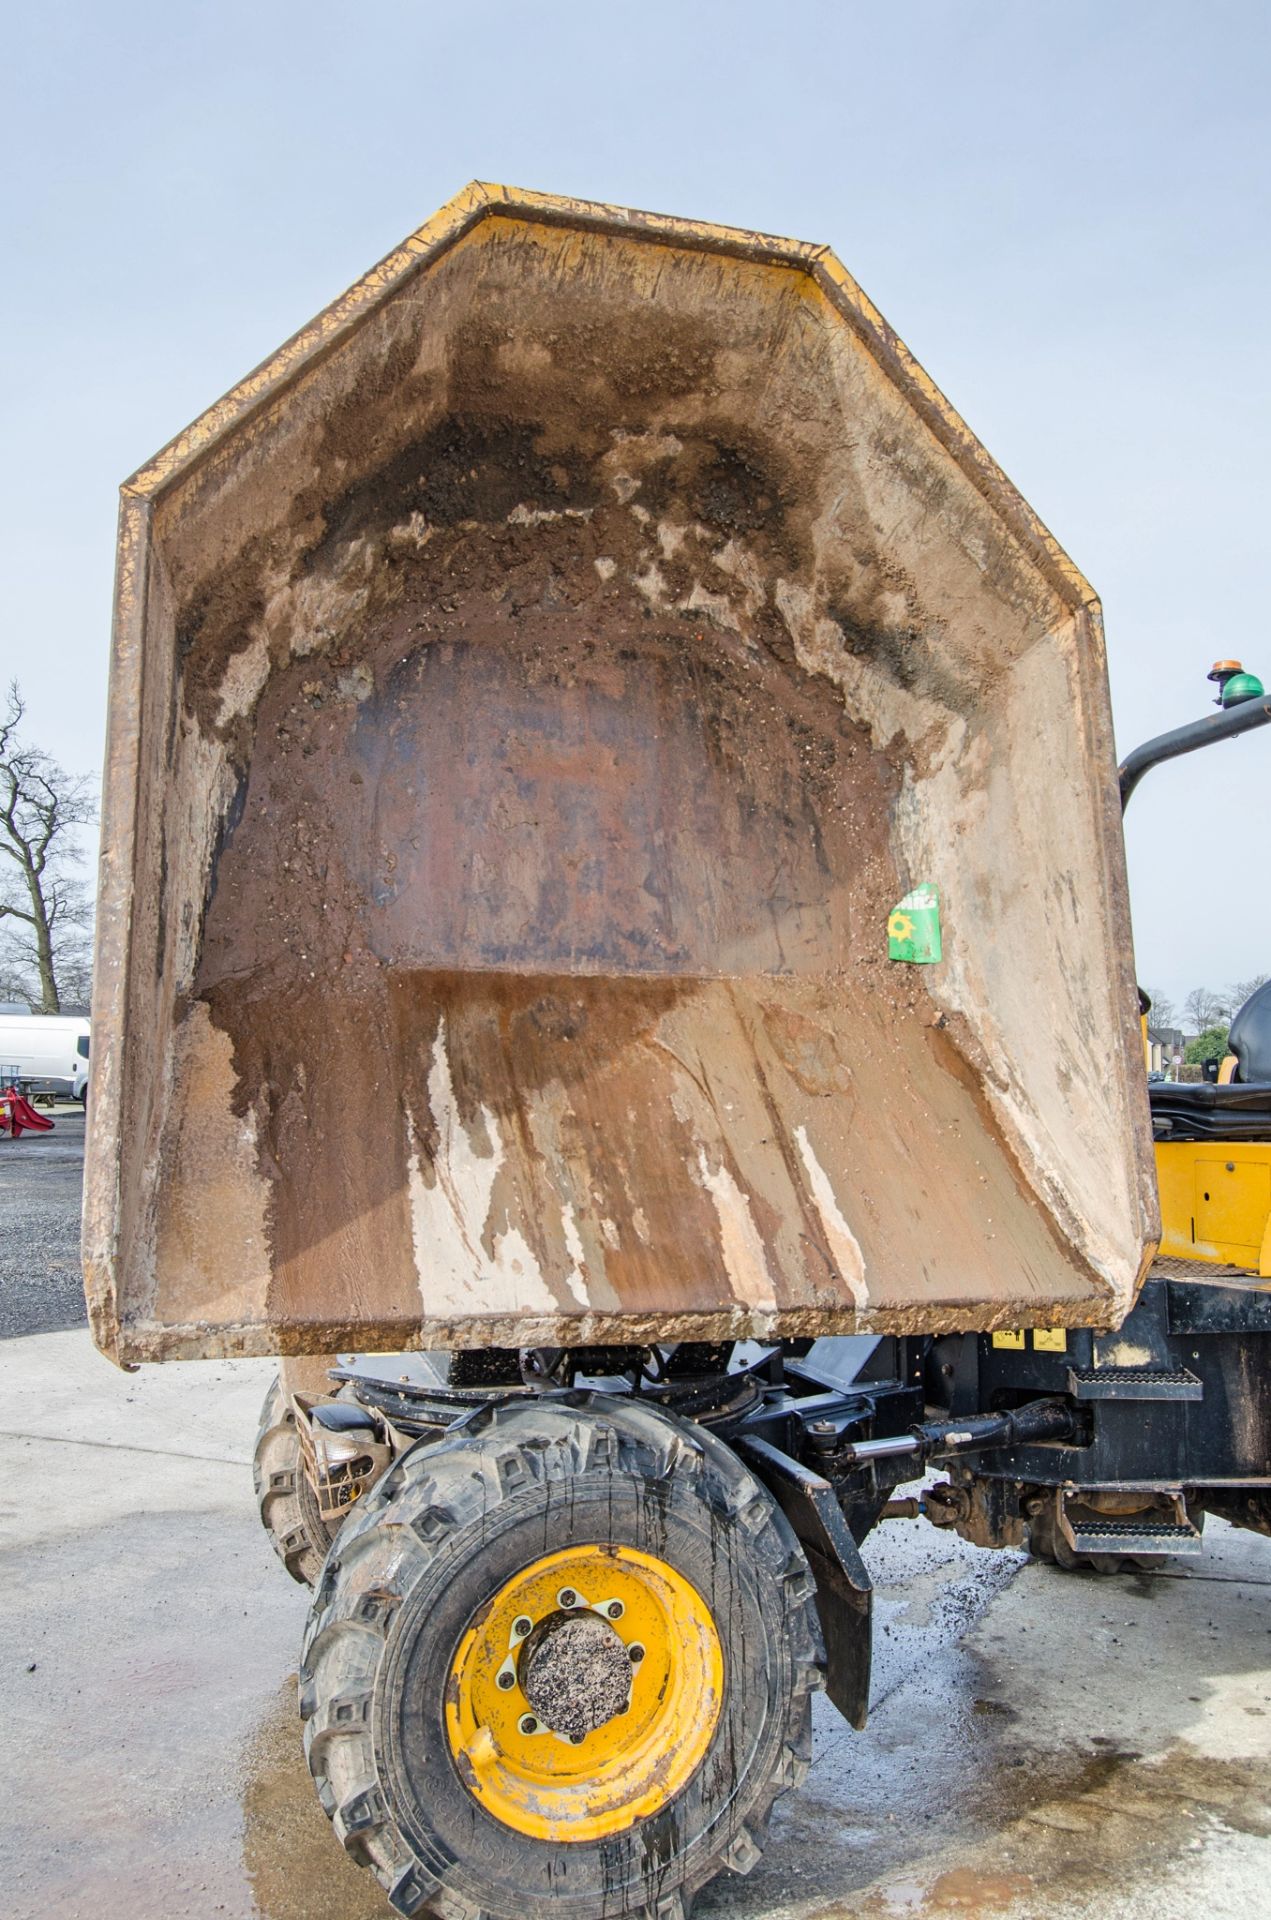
(1120, 1536)
(1134, 1383)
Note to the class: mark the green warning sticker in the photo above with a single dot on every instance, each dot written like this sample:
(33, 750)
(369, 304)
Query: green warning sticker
(913, 927)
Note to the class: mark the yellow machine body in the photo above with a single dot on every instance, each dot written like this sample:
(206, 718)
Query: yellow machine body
(1216, 1202)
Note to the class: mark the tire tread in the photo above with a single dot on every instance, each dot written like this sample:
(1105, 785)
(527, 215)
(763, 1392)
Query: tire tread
(439, 1487)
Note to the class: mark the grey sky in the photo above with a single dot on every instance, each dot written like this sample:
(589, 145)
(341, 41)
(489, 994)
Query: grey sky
(1062, 208)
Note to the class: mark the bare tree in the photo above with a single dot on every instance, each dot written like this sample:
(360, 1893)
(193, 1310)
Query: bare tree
(1163, 1009)
(1204, 1008)
(45, 912)
(1241, 990)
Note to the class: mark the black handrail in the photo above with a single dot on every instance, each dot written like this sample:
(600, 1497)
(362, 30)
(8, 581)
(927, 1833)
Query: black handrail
(1206, 732)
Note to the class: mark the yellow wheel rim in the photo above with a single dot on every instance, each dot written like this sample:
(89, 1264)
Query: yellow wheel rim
(554, 1782)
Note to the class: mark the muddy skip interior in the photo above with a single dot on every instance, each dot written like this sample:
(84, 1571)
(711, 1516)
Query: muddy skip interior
(540, 700)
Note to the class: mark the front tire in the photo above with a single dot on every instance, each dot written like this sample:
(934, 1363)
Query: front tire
(469, 1631)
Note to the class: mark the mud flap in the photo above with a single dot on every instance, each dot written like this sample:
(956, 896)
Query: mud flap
(844, 1590)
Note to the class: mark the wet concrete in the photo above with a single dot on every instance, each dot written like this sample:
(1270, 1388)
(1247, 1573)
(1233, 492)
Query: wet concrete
(1064, 1745)
(1040, 1744)
(293, 1869)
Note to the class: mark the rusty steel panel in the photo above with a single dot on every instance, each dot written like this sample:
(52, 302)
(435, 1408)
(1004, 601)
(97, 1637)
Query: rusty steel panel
(531, 692)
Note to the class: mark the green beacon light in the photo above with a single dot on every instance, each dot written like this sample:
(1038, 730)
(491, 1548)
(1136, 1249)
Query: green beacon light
(1234, 684)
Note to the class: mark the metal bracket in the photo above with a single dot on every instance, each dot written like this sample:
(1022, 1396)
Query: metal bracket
(844, 1590)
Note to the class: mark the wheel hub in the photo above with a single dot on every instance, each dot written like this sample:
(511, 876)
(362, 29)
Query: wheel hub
(584, 1694)
(575, 1672)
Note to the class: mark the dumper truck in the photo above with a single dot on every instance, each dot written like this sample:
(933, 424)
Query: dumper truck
(613, 911)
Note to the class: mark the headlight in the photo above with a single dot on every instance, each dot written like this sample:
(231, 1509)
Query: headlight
(337, 1449)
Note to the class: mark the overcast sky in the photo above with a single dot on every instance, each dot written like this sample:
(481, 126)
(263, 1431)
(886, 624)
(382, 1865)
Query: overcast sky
(1062, 208)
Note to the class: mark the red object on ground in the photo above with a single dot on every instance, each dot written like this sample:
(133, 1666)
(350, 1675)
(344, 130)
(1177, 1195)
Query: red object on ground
(17, 1114)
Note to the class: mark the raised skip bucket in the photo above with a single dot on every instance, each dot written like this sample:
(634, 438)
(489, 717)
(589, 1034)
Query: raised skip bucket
(532, 691)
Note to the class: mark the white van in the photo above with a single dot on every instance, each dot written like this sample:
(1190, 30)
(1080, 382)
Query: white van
(45, 1053)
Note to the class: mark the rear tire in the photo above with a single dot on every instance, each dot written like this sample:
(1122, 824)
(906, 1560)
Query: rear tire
(287, 1504)
(395, 1663)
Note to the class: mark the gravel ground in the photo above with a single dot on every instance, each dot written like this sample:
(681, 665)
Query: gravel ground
(41, 1174)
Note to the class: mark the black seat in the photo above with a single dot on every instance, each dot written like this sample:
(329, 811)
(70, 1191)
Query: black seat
(1182, 1110)
(1251, 1038)
(1241, 1110)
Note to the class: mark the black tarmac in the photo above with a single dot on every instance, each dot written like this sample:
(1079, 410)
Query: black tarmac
(41, 1177)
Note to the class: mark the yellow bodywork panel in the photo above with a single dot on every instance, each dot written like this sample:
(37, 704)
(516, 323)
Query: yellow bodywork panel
(1216, 1202)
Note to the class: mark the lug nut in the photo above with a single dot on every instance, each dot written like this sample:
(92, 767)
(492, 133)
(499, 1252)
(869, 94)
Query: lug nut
(615, 1609)
(522, 1625)
(567, 1597)
(507, 1679)
(635, 1653)
(528, 1724)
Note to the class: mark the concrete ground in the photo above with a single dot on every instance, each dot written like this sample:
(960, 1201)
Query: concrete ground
(1041, 1744)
